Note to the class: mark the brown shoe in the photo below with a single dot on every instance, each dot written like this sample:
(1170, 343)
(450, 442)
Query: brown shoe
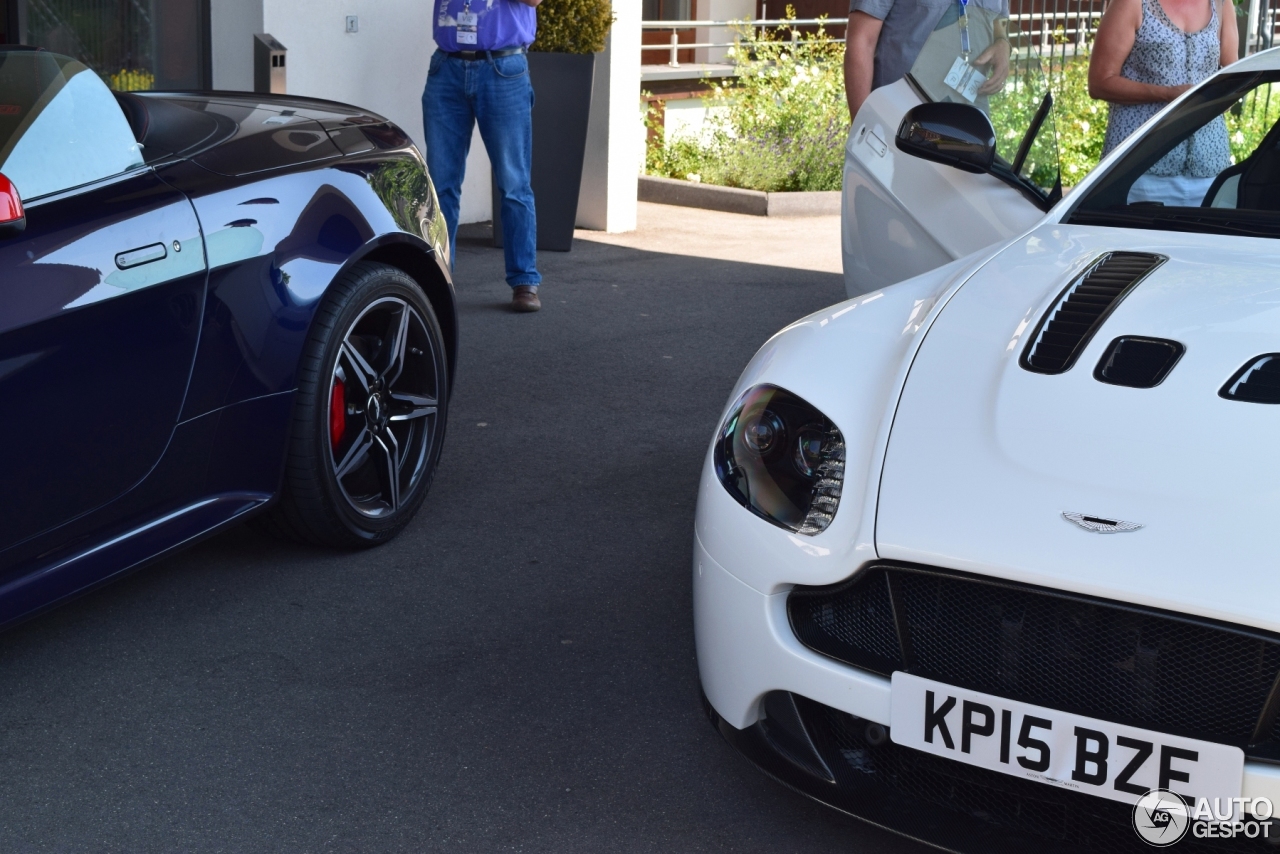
(525, 298)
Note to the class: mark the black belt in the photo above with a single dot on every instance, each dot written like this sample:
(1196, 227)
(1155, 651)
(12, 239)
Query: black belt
(472, 55)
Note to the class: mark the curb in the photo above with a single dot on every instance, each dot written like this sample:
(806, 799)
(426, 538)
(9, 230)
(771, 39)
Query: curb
(669, 191)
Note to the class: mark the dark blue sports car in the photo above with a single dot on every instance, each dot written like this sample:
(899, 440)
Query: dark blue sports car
(211, 306)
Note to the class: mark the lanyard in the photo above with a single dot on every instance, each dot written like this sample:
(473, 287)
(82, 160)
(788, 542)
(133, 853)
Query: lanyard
(964, 29)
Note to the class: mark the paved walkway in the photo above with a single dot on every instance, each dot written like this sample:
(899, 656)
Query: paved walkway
(515, 672)
(802, 243)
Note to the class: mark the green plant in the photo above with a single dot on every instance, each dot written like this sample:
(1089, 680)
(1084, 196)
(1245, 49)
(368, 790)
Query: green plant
(1079, 122)
(781, 125)
(573, 26)
(132, 80)
(681, 157)
(784, 122)
(1250, 120)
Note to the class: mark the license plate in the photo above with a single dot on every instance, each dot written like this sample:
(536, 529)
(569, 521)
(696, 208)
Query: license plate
(1058, 748)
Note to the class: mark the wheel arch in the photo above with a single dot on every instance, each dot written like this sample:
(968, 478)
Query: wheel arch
(417, 259)
(308, 504)
(850, 361)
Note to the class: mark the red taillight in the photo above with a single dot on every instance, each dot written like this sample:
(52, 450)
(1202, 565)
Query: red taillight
(337, 413)
(10, 202)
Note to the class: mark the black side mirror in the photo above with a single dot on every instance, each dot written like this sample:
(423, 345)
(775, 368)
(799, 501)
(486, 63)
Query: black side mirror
(958, 135)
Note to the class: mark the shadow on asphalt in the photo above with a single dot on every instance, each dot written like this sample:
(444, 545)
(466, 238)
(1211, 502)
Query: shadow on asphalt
(515, 672)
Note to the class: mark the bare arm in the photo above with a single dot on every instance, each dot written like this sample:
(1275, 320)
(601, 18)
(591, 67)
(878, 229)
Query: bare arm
(533, 3)
(859, 58)
(1230, 33)
(1111, 47)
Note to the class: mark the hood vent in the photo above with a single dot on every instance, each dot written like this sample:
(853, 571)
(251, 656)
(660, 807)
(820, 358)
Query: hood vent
(1138, 362)
(1081, 309)
(1256, 382)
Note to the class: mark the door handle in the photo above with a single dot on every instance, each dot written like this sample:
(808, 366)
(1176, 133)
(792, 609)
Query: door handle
(145, 255)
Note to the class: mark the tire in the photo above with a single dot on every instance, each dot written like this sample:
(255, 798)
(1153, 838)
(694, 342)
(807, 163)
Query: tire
(369, 418)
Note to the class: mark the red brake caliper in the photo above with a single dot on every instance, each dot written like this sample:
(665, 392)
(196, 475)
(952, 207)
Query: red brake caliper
(337, 413)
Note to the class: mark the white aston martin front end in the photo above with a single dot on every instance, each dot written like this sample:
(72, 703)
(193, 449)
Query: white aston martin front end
(985, 556)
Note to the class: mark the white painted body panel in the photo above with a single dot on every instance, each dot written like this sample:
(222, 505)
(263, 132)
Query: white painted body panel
(868, 343)
(958, 457)
(986, 456)
(902, 216)
(746, 648)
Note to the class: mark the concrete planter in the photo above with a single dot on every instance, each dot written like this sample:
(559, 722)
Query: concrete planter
(561, 109)
(668, 191)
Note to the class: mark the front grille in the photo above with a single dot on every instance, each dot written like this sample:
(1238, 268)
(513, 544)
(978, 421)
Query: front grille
(1106, 660)
(1019, 812)
(1080, 310)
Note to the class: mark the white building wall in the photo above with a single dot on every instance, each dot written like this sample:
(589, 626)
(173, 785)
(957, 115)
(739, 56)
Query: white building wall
(721, 10)
(383, 67)
(687, 117)
(232, 25)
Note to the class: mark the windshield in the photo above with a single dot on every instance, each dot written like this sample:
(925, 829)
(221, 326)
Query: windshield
(60, 126)
(1020, 108)
(943, 68)
(1211, 165)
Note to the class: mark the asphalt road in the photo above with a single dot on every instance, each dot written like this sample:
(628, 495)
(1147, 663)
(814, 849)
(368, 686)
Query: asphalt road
(514, 673)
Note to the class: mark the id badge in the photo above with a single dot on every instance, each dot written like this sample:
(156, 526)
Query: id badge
(965, 79)
(468, 26)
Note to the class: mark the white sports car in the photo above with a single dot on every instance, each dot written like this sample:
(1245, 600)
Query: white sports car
(984, 556)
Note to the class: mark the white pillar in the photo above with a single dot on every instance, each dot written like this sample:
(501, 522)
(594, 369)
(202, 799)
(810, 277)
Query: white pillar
(1249, 47)
(607, 200)
(723, 10)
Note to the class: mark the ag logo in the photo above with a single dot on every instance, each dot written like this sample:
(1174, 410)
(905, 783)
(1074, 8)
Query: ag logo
(1161, 817)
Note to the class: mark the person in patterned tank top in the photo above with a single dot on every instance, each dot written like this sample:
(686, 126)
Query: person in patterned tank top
(1145, 54)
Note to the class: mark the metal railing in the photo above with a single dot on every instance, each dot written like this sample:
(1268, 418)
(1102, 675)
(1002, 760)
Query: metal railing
(1046, 39)
(1060, 30)
(1262, 34)
(1064, 30)
(762, 23)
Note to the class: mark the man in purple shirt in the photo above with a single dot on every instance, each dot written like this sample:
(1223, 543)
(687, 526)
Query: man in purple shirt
(480, 75)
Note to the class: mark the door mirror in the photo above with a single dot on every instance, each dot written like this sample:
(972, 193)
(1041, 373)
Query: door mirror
(13, 219)
(958, 135)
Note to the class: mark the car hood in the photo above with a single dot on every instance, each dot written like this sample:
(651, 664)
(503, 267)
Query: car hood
(985, 457)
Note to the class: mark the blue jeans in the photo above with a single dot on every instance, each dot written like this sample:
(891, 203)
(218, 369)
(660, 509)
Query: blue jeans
(497, 94)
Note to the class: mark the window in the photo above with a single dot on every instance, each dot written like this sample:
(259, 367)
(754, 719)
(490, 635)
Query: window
(1021, 111)
(1212, 165)
(667, 10)
(131, 44)
(60, 126)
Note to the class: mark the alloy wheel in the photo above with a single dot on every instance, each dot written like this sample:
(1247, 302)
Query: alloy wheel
(384, 407)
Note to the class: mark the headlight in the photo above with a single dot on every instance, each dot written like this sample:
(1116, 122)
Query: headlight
(781, 459)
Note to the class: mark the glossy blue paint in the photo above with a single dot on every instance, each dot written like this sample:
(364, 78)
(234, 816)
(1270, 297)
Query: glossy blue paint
(172, 374)
(94, 360)
(274, 247)
(103, 561)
